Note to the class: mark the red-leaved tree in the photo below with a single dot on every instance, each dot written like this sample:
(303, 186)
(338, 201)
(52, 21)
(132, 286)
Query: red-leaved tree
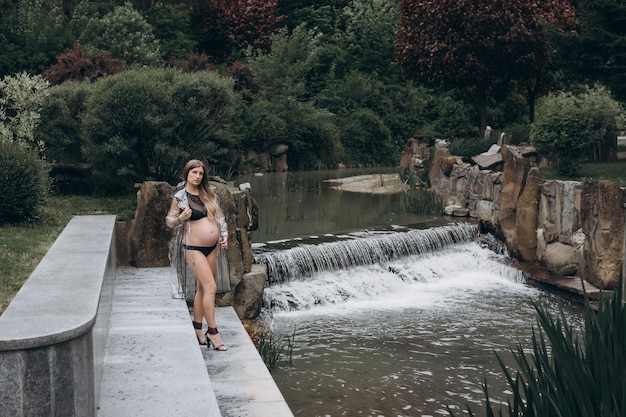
(479, 47)
(228, 25)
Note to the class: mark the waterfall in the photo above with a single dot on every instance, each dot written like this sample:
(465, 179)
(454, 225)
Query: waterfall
(307, 260)
(441, 279)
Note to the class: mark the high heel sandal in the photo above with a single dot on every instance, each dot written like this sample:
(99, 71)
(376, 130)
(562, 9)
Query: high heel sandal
(198, 326)
(213, 330)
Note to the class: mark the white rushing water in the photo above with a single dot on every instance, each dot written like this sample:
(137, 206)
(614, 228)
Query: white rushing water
(456, 273)
(306, 260)
(407, 337)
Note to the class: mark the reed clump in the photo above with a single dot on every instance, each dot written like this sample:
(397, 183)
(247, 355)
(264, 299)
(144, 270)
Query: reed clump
(272, 349)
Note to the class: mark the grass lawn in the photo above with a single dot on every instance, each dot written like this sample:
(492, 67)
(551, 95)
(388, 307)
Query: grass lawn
(23, 246)
(612, 171)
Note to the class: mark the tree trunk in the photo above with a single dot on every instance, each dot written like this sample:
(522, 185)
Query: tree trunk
(531, 97)
(482, 107)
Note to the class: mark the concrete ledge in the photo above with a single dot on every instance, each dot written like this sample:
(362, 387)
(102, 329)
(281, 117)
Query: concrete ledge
(241, 381)
(153, 364)
(53, 333)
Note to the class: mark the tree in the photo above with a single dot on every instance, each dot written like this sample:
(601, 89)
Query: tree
(171, 24)
(32, 32)
(226, 25)
(284, 75)
(477, 47)
(285, 70)
(371, 26)
(596, 50)
(126, 34)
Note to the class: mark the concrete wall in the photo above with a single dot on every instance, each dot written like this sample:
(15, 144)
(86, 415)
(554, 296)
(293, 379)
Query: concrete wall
(53, 334)
(574, 229)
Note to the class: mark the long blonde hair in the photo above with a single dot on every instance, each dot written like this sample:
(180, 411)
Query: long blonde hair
(205, 193)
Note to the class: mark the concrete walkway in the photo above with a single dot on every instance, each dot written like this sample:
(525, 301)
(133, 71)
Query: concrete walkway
(154, 367)
(243, 385)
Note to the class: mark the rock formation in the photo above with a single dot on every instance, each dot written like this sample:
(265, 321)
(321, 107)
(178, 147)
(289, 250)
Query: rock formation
(573, 229)
(603, 225)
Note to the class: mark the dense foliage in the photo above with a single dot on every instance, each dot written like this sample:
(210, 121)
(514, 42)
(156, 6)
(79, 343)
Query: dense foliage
(145, 124)
(320, 78)
(576, 127)
(126, 34)
(596, 50)
(478, 47)
(222, 27)
(24, 184)
(21, 99)
(77, 64)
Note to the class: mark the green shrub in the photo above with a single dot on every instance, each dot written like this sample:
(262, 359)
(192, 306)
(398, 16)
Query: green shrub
(145, 124)
(21, 97)
(571, 128)
(449, 119)
(24, 183)
(366, 140)
(470, 146)
(561, 375)
(59, 127)
(309, 132)
(60, 130)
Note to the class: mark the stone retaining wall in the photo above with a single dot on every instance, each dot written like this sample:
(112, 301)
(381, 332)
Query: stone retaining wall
(53, 333)
(574, 229)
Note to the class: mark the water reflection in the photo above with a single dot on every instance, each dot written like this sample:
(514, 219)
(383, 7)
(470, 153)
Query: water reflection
(297, 204)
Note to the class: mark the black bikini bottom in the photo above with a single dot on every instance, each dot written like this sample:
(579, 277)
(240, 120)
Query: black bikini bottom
(206, 250)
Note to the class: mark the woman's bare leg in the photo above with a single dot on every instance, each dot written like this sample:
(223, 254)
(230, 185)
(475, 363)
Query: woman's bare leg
(198, 312)
(204, 269)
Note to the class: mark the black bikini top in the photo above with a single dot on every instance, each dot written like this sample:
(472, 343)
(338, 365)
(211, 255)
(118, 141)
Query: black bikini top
(198, 210)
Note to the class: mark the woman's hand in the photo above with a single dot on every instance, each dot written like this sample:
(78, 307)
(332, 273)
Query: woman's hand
(184, 215)
(223, 240)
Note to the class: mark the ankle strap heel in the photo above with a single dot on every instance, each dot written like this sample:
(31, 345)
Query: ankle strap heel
(213, 331)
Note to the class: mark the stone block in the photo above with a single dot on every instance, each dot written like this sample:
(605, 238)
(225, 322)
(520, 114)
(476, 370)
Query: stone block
(602, 208)
(561, 258)
(249, 293)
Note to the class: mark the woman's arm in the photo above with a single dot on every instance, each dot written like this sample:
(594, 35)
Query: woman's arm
(223, 226)
(172, 219)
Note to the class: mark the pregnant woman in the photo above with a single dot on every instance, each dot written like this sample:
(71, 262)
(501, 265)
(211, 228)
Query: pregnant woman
(195, 208)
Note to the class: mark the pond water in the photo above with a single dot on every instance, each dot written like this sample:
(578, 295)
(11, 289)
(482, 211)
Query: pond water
(300, 205)
(407, 336)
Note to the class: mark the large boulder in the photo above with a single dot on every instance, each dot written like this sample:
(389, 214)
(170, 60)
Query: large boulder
(602, 209)
(487, 212)
(148, 236)
(248, 297)
(527, 216)
(561, 259)
(437, 170)
(514, 176)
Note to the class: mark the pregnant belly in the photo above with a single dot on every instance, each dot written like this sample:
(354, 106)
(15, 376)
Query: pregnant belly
(203, 233)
